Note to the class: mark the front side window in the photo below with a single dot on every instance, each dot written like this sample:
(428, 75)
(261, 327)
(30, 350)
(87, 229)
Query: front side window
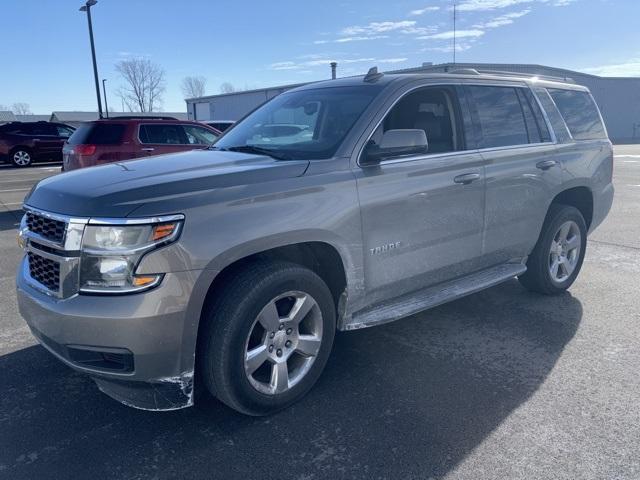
(64, 131)
(198, 135)
(162, 134)
(500, 116)
(432, 109)
(306, 124)
(580, 114)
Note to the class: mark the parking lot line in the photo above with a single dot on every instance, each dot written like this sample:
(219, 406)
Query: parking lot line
(16, 190)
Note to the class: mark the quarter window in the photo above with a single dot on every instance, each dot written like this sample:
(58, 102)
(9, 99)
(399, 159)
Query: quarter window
(580, 114)
(500, 116)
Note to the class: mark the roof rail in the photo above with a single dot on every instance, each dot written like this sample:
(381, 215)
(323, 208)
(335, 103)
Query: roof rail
(140, 117)
(527, 75)
(373, 75)
(464, 71)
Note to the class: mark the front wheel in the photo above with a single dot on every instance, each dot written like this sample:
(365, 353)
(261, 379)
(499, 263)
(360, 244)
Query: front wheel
(267, 338)
(557, 258)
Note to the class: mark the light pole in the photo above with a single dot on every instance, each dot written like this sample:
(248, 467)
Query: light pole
(104, 92)
(87, 8)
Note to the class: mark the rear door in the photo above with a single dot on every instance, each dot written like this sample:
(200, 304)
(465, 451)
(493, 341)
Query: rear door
(521, 168)
(159, 138)
(421, 224)
(45, 140)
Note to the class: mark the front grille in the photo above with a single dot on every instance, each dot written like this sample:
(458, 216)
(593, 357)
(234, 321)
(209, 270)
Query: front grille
(46, 227)
(44, 271)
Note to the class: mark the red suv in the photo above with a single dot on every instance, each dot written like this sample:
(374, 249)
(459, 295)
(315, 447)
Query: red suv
(124, 138)
(22, 143)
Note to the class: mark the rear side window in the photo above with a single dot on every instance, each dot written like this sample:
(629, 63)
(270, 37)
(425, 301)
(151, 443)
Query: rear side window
(163, 134)
(500, 116)
(555, 119)
(580, 114)
(98, 134)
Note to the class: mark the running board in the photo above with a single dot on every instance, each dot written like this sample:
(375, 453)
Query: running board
(415, 302)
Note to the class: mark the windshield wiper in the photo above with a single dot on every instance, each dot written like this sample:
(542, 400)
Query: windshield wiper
(258, 150)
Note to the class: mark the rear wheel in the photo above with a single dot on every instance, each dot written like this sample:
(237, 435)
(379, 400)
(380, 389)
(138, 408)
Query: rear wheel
(267, 338)
(557, 258)
(21, 157)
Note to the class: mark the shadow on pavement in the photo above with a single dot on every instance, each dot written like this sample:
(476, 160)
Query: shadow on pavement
(10, 219)
(405, 400)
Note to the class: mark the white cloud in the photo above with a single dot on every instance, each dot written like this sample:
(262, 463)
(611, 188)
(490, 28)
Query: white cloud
(422, 11)
(375, 28)
(450, 34)
(304, 66)
(502, 20)
(481, 5)
(350, 39)
(628, 69)
(392, 60)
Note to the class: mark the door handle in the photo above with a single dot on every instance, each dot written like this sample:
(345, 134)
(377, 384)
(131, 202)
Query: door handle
(546, 164)
(148, 149)
(466, 178)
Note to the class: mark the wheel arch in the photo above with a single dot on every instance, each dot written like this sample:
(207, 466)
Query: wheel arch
(580, 197)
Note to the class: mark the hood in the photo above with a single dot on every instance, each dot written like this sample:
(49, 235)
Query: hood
(116, 189)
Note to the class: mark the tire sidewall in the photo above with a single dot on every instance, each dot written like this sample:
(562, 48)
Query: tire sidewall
(231, 368)
(560, 216)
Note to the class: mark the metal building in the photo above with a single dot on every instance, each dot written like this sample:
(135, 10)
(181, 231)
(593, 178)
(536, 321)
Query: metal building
(617, 97)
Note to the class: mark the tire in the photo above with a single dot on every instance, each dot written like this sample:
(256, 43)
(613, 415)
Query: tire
(235, 324)
(21, 157)
(557, 258)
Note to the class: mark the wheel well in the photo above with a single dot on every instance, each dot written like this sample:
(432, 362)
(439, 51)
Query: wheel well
(20, 147)
(580, 198)
(319, 257)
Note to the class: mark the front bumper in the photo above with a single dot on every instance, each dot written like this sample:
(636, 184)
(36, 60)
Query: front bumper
(150, 332)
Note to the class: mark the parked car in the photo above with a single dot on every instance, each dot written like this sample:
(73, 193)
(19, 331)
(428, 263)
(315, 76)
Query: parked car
(221, 125)
(23, 143)
(127, 137)
(234, 266)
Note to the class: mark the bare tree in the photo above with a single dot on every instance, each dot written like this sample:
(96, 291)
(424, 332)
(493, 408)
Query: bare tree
(144, 84)
(227, 87)
(21, 108)
(193, 87)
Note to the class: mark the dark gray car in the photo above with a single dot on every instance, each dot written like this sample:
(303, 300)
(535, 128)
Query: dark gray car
(337, 205)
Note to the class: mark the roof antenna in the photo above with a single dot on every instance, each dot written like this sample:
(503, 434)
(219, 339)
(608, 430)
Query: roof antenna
(373, 75)
(454, 33)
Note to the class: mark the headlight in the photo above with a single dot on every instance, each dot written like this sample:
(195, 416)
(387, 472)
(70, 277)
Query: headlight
(111, 253)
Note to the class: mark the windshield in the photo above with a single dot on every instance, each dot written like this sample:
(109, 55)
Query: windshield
(305, 125)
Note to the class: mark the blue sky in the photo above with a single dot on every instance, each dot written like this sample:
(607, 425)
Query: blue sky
(46, 59)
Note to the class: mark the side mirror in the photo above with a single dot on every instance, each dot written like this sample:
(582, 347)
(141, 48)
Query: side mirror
(396, 143)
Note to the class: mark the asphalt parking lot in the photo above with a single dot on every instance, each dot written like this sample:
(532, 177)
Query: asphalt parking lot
(503, 384)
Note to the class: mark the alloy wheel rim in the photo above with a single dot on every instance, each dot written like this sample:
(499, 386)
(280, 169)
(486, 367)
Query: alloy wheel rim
(565, 251)
(283, 342)
(22, 158)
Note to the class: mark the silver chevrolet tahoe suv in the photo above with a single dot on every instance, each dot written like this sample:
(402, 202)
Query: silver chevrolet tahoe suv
(335, 206)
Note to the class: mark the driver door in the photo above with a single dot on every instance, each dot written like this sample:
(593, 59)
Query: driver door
(422, 224)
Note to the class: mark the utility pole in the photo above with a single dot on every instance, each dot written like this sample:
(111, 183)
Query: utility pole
(87, 8)
(104, 92)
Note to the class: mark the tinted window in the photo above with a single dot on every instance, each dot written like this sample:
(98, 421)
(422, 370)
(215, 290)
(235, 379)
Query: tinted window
(430, 109)
(163, 134)
(500, 116)
(580, 113)
(199, 135)
(64, 131)
(98, 134)
(303, 124)
(545, 135)
(556, 120)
